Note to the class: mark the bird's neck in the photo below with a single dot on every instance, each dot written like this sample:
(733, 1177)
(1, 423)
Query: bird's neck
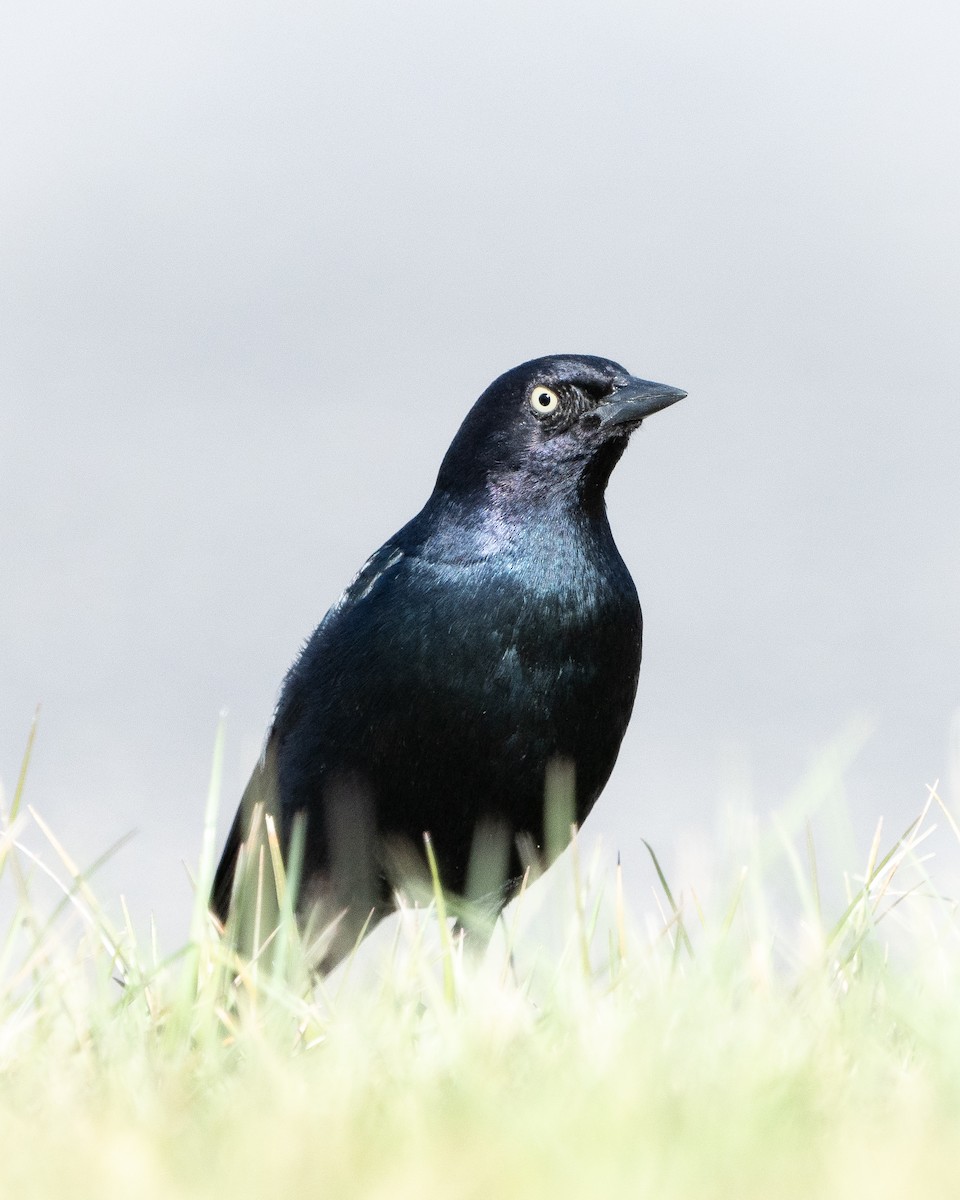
(512, 521)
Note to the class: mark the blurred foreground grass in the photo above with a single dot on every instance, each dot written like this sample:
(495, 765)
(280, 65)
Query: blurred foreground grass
(699, 1052)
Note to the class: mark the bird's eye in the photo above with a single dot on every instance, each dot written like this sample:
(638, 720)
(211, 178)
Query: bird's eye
(543, 401)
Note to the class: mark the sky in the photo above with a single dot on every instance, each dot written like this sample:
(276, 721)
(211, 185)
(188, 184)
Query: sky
(258, 259)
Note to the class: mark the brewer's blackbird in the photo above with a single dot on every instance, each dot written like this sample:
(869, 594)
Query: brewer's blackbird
(495, 637)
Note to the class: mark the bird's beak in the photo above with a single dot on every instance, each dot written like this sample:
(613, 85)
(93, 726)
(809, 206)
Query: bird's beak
(638, 399)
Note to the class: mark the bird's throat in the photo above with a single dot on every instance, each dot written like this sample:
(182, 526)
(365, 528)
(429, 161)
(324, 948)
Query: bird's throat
(597, 471)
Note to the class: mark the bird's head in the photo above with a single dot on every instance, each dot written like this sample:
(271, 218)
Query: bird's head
(552, 426)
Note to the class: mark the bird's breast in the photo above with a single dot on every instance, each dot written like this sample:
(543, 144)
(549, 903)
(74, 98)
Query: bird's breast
(448, 688)
(530, 629)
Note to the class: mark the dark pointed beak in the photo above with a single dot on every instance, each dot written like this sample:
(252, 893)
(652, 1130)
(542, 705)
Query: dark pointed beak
(638, 399)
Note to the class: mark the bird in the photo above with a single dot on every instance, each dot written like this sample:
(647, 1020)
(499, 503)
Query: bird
(491, 645)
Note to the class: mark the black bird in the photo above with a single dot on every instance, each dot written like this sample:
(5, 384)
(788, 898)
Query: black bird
(496, 635)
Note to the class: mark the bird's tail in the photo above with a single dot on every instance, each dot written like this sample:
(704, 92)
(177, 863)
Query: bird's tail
(263, 789)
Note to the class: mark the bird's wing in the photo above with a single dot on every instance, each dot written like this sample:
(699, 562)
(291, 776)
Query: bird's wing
(264, 788)
(377, 567)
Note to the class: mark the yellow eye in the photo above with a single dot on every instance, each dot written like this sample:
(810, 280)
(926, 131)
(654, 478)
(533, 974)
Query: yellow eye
(543, 401)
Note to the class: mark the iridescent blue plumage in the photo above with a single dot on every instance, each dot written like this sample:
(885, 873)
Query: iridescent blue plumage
(496, 633)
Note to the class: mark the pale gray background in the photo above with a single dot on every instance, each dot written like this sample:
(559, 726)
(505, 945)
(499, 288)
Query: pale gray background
(259, 258)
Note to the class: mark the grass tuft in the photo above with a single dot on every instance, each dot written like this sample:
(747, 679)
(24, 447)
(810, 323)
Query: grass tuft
(747, 1043)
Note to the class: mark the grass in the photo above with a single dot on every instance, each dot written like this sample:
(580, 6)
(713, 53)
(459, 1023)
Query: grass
(752, 1044)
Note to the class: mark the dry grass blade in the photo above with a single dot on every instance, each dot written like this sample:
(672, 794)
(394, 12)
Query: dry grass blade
(446, 942)
(80, 894)
(682, 936)
(24, 766)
